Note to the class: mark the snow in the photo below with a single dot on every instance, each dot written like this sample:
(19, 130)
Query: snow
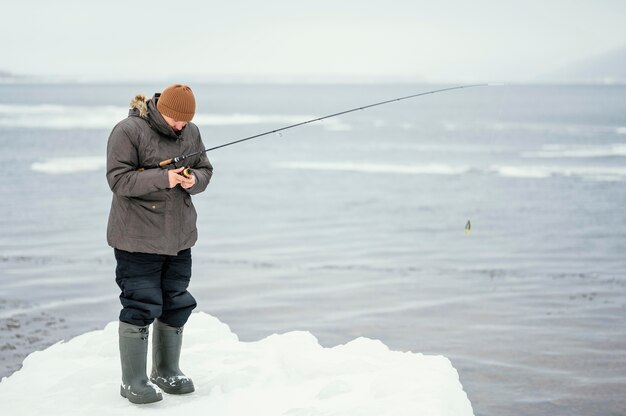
(288, 374)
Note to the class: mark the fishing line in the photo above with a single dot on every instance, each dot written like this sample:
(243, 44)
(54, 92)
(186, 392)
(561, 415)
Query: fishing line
(495, 126)
(177, 159)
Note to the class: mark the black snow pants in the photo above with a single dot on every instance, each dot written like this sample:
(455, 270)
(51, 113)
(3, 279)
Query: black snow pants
(154, 286)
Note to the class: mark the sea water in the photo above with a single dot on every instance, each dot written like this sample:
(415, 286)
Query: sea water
(354, 226)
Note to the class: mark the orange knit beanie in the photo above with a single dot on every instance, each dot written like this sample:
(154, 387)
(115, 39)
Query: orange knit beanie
(177, 101)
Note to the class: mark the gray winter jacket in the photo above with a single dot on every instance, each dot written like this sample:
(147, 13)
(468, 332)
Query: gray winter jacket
(146, 216)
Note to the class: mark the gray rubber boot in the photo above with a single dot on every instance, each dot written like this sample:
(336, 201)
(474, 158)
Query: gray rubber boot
(133, 353)
(166, 344)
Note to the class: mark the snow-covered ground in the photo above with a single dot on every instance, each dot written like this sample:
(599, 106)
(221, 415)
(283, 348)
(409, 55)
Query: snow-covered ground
(288, 374)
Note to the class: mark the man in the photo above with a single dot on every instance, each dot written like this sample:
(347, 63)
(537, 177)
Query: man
(152, 227)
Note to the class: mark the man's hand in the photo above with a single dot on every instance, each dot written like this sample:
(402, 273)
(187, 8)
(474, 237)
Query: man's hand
(188, 182)
(176, 178)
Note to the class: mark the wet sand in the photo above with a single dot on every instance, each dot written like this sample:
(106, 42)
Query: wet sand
(523, 344)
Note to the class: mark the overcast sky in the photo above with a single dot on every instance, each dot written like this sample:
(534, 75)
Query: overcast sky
(475, 40)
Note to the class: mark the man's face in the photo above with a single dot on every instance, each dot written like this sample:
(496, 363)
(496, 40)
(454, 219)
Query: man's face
(176, 125)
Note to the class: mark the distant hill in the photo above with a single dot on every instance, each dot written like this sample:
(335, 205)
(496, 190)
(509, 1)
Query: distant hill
(606, 68)
(7, 76)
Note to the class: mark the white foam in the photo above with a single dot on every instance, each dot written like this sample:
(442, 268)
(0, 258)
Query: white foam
(278, 119)
(235, 119)
(426, 169)
(336, 125)
(597, 173)
(288, 374)
(47, 116)
(578, 151)
(59, 117)
(523, 171)
(552, 128)
(69, 165)
(391, 145)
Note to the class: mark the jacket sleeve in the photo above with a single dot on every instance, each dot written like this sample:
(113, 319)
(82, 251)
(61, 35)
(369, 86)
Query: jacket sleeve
(123, 164)
(203, 170)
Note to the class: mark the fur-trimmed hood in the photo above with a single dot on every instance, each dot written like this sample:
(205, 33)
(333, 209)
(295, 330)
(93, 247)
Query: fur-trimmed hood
(145, 108)
(140, 103)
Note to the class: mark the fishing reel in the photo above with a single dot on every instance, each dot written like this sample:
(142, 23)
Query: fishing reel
(186, 172)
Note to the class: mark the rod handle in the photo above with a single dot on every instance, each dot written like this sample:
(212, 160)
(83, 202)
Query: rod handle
(166, 162)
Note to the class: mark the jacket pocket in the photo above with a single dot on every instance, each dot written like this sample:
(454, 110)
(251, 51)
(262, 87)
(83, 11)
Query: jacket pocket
(145, 218)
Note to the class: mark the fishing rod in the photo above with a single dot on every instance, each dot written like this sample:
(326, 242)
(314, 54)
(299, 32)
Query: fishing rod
(183, 157)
